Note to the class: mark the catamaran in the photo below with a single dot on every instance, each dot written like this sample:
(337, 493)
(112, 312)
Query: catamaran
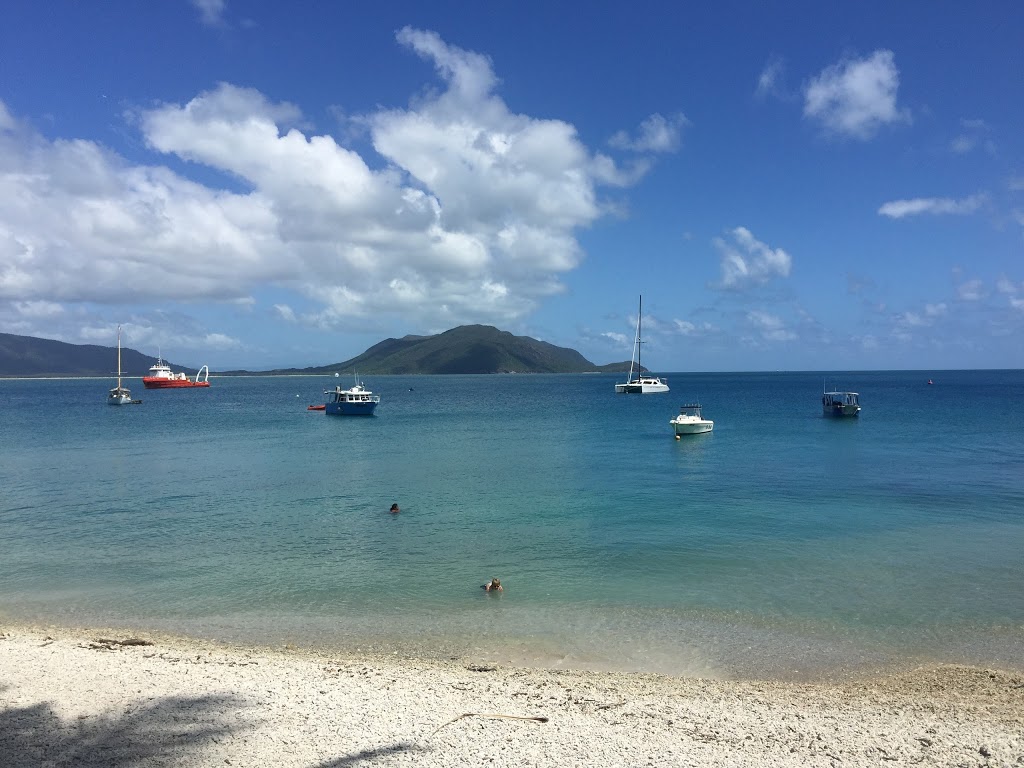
(642, 384)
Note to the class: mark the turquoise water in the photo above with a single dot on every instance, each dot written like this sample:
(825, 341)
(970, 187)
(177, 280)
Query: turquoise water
(781, 545)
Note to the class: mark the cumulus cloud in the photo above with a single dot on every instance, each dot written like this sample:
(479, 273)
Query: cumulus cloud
(898, 209)
(655, 134)
(856, 97)
(747, 262)
(467, 211)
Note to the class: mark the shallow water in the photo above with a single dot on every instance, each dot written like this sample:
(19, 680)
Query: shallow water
(783, 544)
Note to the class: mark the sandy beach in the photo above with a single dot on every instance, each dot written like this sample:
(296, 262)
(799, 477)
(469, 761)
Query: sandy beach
(79, 698)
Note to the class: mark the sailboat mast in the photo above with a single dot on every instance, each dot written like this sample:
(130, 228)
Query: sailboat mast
(119, 357)
(639, 342)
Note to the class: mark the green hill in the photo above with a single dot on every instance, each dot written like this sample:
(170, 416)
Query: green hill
(28, 356)
(466, 349)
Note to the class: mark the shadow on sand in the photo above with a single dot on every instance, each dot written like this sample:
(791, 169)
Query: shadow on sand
(170, 731)
(167, 730)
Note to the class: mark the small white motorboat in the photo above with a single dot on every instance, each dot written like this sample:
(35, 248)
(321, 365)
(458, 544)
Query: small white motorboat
(691, 421)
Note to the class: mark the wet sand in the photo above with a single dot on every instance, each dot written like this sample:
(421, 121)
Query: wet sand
(81, 698)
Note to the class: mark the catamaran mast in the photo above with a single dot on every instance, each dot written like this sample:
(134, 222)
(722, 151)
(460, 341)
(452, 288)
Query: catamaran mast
(639, 317)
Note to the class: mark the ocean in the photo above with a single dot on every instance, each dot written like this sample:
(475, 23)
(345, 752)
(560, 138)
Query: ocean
(782, 545)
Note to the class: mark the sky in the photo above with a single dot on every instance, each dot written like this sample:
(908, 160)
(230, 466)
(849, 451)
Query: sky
(789, 186)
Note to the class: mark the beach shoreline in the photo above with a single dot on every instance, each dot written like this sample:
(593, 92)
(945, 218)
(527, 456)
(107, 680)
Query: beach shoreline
(109, 697)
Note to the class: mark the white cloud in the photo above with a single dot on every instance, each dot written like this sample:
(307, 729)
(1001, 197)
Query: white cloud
(769, 82)
(748, 262)
(468, 211)
(770, 326)
(655, 134)
(898, 209)
(962, 144)
(219, 341)
(686, 328)
(37, 309)
(923, 319)
(285, 312)
(211, 11)
(971, 290)
(1015, 184)
(975, 133)
(856, 97)
(1005, 285)
(6, 118)
(618, 338)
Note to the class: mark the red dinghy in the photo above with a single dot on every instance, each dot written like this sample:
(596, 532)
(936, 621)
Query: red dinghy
(316, 408)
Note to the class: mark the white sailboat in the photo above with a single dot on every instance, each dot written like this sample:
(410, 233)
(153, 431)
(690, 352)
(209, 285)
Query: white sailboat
(642, 384)
(119, 395)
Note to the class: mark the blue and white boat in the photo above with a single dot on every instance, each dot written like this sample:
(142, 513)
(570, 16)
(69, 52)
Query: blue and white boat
(356, 401)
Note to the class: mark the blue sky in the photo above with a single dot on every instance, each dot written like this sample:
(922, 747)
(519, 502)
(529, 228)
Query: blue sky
(798, 186)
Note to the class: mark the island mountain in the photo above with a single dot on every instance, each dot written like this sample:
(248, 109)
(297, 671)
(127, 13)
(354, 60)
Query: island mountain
(466, 349)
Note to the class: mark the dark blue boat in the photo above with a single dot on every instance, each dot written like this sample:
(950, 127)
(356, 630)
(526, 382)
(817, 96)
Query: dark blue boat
(357, 401)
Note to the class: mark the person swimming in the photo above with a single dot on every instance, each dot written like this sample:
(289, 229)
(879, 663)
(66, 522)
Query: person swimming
(394, 509)
(494, 585)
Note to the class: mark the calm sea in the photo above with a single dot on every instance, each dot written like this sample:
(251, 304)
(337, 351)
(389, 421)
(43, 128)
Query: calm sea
(782, 545)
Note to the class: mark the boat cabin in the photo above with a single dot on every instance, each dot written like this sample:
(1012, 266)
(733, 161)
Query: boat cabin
(834, 399)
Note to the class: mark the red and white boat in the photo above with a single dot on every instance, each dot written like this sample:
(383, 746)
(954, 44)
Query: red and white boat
(160, 377)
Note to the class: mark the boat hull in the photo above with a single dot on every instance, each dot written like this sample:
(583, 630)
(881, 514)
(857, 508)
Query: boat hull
(157, 383)
(692, 427)
(119, 397)
(350, 409)
(841, 411)
(645, 388)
